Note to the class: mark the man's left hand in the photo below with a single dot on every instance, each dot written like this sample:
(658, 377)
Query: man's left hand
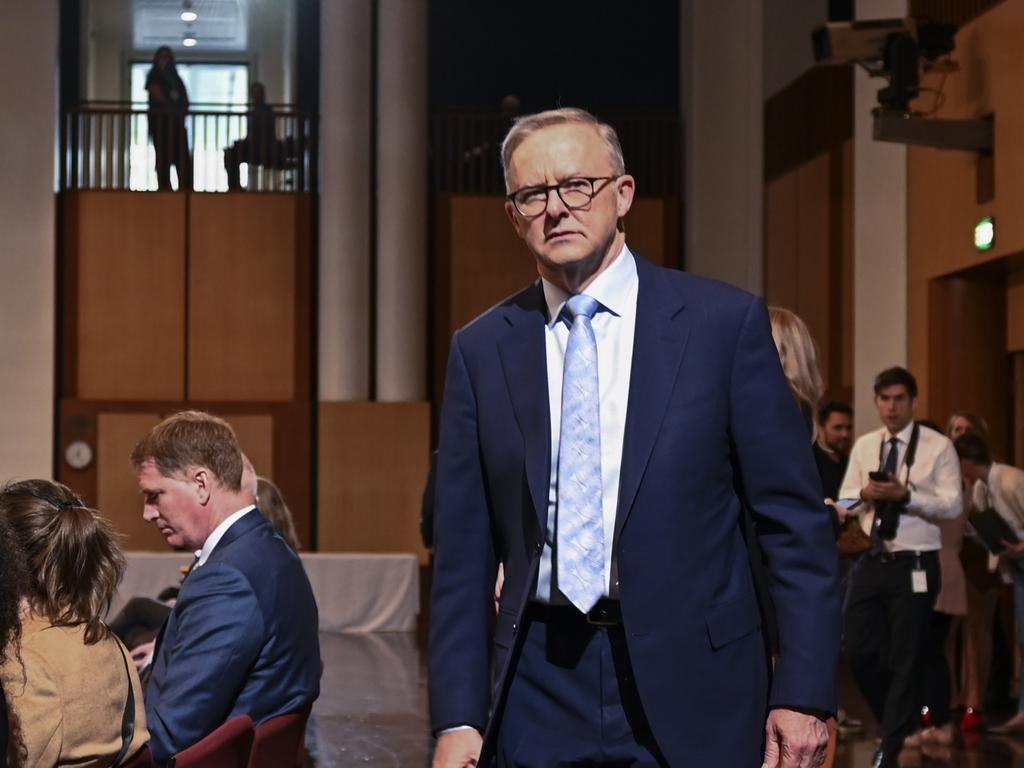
(794, 740)
(890, 490)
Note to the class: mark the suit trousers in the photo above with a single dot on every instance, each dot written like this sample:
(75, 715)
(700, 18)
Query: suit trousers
(884, 626)
(572, 700)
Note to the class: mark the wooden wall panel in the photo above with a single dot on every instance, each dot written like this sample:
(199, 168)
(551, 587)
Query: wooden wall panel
(942, 204)
(130, 296)
(1015, 310)
(968, 366)
(373, 463)
(808, 261)
(117, 491)
(242, 289)
(780, 241)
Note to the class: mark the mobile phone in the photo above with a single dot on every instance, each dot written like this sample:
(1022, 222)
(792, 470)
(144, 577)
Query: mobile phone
(880, 477)
(848, 503)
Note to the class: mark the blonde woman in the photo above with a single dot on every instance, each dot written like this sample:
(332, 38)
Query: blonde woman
(799, 362)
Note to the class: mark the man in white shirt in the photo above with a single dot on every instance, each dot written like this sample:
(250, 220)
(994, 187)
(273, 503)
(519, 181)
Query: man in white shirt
(1000, 487)
(906, 477)
(242, 637)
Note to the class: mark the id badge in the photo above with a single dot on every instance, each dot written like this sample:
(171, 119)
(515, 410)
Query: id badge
(919, 581)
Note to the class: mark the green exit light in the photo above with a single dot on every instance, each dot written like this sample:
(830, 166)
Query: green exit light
(985, 234)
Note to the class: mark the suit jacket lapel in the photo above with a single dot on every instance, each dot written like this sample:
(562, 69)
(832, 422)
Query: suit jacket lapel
(524, 363)
(662, 330)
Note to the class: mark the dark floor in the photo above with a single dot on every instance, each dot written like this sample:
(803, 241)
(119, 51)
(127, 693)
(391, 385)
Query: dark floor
(373, 711)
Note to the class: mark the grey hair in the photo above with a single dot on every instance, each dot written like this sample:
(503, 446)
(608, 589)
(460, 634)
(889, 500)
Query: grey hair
(526, 126)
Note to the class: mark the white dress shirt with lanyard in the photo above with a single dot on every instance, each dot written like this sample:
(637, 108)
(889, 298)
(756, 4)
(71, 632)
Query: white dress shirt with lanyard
(933, 481)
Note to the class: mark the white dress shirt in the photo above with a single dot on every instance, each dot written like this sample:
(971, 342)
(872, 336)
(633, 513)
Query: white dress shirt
(933, 481)
(1003, 492)
(615, 289)
(218, 533)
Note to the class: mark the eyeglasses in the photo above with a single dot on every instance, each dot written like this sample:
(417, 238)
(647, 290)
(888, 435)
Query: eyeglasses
(575, 193)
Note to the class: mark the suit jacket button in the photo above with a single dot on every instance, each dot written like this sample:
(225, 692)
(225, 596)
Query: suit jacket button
(515, 628)
(538, 547)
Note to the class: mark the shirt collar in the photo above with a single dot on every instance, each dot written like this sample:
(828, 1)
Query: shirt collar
(903, 435)
(218, 533)
(612, 288)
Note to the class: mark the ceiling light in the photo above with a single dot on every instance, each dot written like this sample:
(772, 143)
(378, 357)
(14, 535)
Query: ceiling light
(189, 41)
(187, 14)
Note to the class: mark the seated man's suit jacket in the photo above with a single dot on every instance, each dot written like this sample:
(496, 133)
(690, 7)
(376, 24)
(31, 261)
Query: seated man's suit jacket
(710, 424)
(242, 640)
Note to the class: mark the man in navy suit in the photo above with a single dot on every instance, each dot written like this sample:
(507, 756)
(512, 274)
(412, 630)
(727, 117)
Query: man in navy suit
(602, 433)
(242, 637)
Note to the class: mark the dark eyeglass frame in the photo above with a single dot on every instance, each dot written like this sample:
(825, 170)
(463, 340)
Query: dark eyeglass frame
(546, 189)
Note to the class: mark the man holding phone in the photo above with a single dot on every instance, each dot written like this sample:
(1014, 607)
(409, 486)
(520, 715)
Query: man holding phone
(906, 477)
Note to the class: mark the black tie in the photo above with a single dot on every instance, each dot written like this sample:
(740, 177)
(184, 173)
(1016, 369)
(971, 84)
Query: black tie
(891, 463)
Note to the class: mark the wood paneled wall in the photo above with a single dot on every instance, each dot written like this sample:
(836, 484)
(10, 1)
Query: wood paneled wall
(946, 275)
(968, 368)
(124, 320)
(808, 265)
(243, 266)
(175, 301)
(374, 459)
(808, 214)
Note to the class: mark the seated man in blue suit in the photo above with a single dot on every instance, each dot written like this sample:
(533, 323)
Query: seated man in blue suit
(242, 638)
(601, 434)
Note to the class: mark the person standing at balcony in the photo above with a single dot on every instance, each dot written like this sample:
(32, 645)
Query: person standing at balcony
(260, 147)
(168, 105)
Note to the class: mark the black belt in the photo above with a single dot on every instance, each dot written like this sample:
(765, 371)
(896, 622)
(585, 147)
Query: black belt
(903, 554)
(605, 613)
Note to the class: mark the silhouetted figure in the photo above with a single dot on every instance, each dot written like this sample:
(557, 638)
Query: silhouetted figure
(168, 105)
(260, 147)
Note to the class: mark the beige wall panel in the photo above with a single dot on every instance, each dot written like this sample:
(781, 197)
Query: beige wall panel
(373, 467)
(256, 436)
(116, 490)
(780, 244)
(813, 257)
(1015, 311)
(131, 296)
(242, 297)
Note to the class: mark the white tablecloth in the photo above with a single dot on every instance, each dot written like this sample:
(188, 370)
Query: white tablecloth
(354, 592)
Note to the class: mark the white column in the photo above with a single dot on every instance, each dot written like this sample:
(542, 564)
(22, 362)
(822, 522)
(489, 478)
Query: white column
(721, 80)
(344, 348)
(27, 213)
(879, 239)
(402, 200)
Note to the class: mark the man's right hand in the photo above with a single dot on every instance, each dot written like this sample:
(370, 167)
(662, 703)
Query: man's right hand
(458, 749)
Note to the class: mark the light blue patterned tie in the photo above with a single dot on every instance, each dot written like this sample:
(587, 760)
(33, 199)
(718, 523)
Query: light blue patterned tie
(580, 538)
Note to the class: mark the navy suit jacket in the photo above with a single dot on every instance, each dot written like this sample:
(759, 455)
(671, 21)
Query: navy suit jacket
(242, 639)
(710, 422)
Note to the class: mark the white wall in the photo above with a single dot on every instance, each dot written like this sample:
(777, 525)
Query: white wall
(879, 239)
(27, 256)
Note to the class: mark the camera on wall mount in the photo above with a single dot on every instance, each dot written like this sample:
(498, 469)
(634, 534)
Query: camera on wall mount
(899, 50)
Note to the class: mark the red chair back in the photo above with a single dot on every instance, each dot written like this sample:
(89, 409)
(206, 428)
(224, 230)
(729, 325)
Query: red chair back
(279, 739)
(226, 747)
(141, 759)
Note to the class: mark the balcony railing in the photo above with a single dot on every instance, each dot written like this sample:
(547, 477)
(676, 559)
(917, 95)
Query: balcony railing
(466, 152)
(113, 146)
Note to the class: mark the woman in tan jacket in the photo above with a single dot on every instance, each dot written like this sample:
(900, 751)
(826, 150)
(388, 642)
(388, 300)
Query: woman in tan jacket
(72, 688)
